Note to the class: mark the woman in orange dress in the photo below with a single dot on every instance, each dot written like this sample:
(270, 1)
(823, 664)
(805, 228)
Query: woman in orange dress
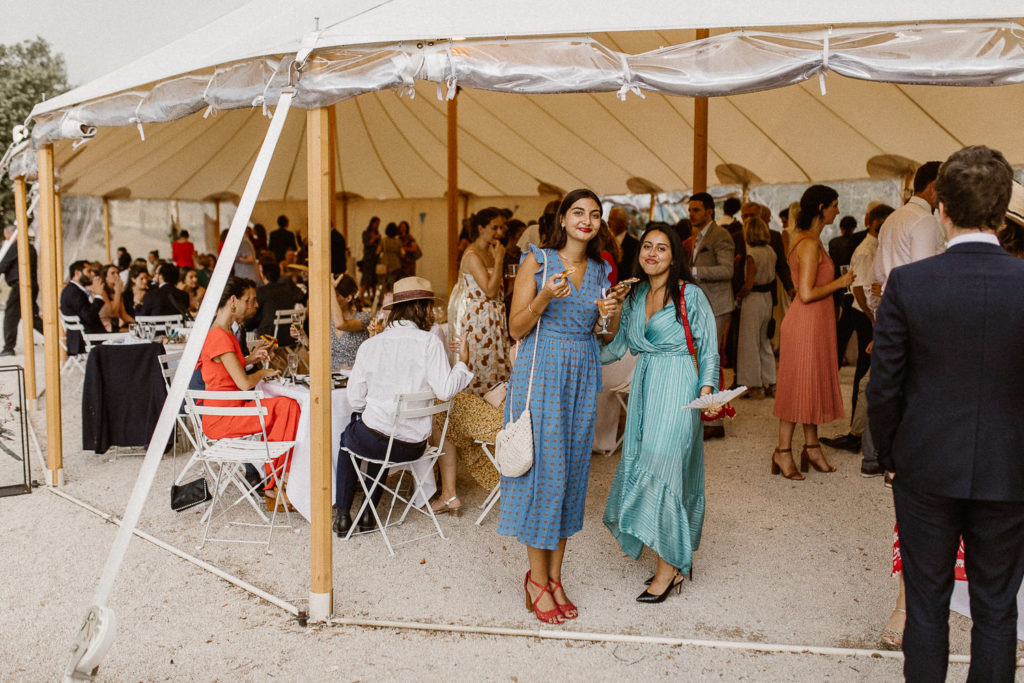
(223, 368)
(808, 380)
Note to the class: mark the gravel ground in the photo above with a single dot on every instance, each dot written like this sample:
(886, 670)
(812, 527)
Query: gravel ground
(795, 563)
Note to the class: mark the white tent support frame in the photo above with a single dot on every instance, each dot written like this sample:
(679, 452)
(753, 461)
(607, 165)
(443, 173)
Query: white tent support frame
(190, 357)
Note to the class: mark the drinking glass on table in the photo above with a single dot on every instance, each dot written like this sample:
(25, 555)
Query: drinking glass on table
(292, 365)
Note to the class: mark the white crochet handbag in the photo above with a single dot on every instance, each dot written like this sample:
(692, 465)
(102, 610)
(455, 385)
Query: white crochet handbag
(513, 445)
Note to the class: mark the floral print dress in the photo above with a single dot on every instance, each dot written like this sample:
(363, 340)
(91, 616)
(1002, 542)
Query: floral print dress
(484, 325)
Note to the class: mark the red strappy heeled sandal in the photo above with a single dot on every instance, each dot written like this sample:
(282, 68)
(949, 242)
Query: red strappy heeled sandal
(552, 616)
(568, 610)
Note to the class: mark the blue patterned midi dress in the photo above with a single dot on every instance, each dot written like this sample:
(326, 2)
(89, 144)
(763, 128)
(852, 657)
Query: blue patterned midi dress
(657, 496)
(546, 504)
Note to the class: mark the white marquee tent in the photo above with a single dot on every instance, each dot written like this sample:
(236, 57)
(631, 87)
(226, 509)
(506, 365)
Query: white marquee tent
(200, 102)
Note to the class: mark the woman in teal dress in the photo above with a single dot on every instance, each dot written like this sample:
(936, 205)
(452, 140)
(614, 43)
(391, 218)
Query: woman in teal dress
(657, 497)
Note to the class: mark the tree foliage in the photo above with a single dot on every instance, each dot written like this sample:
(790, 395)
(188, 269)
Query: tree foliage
(29, 72)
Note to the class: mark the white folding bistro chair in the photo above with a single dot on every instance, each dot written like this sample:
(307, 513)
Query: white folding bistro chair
(162, 324)
(285, 317)
(72, 323)
(488, 448)
(225, 459)
(404, 409)
(168, 366)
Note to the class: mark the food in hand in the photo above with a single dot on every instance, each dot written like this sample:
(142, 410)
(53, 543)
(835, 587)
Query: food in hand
(268, 339)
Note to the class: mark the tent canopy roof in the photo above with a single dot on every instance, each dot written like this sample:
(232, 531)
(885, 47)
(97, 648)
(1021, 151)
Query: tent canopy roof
(766, 116)
(269, 27)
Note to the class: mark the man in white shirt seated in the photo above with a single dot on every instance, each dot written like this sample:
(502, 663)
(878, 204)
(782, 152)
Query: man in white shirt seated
(404, 358)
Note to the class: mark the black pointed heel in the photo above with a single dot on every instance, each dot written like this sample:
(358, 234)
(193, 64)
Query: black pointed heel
(651, 578)
(651, 598)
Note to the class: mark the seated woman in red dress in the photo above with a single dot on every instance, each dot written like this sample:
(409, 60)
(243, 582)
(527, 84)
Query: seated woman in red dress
(223, 368)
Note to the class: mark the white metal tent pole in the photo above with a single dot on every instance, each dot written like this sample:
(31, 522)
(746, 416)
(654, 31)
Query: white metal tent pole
(166, 421)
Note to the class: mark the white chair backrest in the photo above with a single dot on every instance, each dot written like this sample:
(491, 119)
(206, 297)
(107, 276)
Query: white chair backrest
(176, 318)
(287, 316)
(169, 365)
(162, 323)
(403, 409)
(196, 410)
(71, 322)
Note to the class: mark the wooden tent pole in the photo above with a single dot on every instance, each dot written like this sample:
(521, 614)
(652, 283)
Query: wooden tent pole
(344, 219)
(58, 213)
(332, 160)
(58, 218)
(700, 134)
(650, 214)
(25, 280)
(320, 199)
(453, 190)
(106, 229)
(50, 277)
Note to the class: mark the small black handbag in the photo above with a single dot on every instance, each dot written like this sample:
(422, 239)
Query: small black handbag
(189, 495)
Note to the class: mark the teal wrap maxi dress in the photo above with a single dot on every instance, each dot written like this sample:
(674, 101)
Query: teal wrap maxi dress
(657, 496)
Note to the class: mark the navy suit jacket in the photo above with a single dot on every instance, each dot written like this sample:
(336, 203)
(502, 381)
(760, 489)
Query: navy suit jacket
(947, 374)
(164, 300)
(73, 301)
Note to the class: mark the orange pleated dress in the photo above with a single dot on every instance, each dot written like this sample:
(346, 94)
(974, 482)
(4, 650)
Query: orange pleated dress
(282, 419)
(807, 389)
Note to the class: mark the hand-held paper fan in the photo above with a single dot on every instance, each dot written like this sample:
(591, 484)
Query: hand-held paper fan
(719, 399)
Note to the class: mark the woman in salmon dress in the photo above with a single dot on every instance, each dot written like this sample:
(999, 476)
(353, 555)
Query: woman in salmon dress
(808, 379)
(223, 368)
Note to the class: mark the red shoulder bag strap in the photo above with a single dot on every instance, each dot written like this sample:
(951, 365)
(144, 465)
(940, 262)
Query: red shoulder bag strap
(686, 321)
(686, 328)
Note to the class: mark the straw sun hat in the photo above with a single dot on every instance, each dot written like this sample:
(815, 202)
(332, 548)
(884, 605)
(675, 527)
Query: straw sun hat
(411, 289)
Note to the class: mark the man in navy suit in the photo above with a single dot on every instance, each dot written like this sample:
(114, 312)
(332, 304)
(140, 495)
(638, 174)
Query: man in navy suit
(165, 298)
(946, 391)
(81, 297)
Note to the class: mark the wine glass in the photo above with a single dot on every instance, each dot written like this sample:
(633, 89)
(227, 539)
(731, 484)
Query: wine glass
(292, 365)
(605, 291)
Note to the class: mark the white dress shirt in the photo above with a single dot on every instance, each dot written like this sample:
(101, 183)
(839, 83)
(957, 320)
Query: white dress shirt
(862, 263)
(697, 239)
(403, 359)
(909, 234)
(88, 292)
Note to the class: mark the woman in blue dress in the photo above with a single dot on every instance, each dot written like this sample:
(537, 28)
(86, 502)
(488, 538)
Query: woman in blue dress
(544, 507)
(657, 496)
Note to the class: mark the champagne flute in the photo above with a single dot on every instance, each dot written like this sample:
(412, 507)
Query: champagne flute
(605, 291)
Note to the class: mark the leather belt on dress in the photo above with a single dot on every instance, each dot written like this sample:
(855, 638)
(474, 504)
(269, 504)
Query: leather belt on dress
(766, 287)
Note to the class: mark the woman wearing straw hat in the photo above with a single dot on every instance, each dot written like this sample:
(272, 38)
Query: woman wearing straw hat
(404, 358)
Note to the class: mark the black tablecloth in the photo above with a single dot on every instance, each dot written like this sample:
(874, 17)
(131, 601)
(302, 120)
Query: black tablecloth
(123, 394)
